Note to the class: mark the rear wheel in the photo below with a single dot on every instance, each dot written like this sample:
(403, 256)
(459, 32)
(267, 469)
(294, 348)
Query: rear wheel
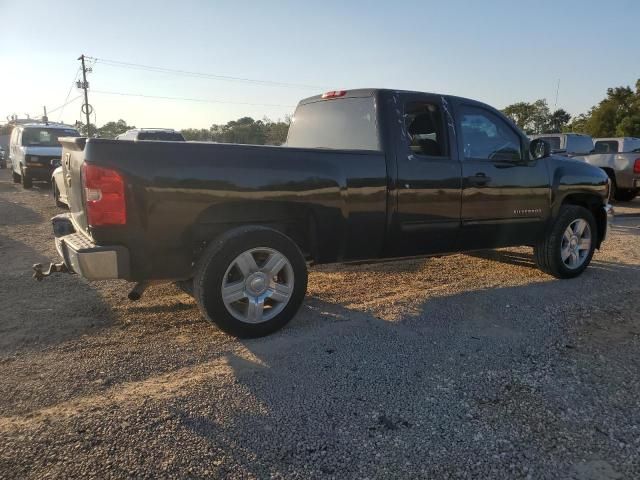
(251, 281)
(625, 195)
(568, 248)
(56, 195)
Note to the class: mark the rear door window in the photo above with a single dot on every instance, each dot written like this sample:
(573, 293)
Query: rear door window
(425, 129)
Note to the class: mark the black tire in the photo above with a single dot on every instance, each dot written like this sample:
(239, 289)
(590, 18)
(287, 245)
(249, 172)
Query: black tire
(218, 257)
(26, 181)
(625, 195)
(15, 176)
(548, 252)
(56, 195)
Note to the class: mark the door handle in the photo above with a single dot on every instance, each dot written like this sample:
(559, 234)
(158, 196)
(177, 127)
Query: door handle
(479, 178)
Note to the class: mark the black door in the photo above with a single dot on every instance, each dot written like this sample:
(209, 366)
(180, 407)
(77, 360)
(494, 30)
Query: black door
(428, 179)
(505, 195)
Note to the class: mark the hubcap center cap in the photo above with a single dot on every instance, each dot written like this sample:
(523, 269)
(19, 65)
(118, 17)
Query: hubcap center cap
(257, 283)
(573, 243)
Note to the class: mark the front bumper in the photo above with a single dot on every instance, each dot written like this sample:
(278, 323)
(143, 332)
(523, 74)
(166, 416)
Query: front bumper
(82, 256)
(40, 172)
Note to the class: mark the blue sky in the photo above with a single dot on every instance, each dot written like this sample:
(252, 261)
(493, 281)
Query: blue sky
(499, 52)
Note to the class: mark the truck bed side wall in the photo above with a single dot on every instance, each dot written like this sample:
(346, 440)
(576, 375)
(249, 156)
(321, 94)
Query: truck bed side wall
(182, 195)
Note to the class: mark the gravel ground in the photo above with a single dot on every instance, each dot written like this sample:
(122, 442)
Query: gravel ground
(462, 366)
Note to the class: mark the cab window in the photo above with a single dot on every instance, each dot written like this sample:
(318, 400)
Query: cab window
(486, 136)
(606, 146)
(425, 129)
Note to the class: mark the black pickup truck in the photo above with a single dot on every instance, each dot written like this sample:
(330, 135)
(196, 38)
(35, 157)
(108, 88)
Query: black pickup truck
(365, 174)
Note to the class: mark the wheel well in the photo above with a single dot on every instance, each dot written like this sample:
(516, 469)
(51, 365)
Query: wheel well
(295, 221)
(610, 173)
(594, 205)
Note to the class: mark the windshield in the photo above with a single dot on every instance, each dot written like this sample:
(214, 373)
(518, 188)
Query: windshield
(46, 137)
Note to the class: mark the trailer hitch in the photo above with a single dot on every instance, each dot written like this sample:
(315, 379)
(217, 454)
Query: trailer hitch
(39, 274)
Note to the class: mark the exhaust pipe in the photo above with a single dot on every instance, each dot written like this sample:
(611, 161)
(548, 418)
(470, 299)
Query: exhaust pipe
(137, 291)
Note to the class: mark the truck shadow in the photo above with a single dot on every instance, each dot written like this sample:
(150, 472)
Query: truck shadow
(38, 314)
(506, 256)
(354, 364)
(14, 213)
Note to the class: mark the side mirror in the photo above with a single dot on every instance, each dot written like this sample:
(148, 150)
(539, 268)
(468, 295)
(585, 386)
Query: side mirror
(538, 149)
(56, 162)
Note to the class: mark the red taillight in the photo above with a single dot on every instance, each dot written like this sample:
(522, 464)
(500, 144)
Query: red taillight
(334, 94)
(636, 166)
(104, 196)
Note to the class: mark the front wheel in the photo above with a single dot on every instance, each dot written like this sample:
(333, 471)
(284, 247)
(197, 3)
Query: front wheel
(569, 246)
(251, 281)
(27, 182)
(16, 177)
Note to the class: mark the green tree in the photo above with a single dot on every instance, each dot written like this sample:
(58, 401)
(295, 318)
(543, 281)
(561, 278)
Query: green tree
(113, 129)
(535, 117)
(558, 121)
(617, 115)
(197, 134)
(522, 114)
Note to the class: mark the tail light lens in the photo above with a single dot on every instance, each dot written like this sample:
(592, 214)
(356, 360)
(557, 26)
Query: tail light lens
(636, 166)
(104, 196)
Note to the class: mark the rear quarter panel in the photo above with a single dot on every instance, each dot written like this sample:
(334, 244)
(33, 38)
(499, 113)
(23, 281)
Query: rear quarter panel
(181, 195)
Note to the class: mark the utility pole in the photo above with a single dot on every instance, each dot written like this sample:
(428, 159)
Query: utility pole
(86, 108)
(45, 119)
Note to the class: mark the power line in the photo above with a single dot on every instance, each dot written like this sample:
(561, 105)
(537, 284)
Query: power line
(203, 100)
(73, 82)
(228, 78)
(65, 104)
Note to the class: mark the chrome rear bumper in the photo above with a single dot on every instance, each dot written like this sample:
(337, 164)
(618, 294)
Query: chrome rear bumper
(82, 256)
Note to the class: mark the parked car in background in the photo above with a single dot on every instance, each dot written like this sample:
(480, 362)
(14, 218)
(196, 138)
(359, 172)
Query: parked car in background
(58, 186)
(620, 159)
(567, 144)
(366, 174)
(33, 150)
(162, 134)
(3, 158)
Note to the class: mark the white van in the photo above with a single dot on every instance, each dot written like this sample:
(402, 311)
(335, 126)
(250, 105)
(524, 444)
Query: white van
(34, 151)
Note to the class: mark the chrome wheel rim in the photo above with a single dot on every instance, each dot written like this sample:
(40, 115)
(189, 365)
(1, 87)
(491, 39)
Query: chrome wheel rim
(576, 244)
(257, 285)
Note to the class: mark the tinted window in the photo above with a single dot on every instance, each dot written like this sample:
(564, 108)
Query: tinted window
(423, 122)
(486, 136)
(554, 142)
(46, 137)
(606, 146)
(164, 136)
(579, 144)
(347, 123)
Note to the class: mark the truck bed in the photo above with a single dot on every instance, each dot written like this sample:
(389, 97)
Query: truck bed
(182, 193)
